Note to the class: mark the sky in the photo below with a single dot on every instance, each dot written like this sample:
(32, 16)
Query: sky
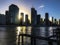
(42, 6)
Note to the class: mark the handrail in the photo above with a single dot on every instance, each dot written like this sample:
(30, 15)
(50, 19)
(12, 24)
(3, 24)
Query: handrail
(50, 41)
(39, 37)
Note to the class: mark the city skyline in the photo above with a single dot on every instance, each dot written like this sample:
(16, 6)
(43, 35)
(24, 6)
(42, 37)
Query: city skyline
(29, 22)
(42, 6)
(12, 17)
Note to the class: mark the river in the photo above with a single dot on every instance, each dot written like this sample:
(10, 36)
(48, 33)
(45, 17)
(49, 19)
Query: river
(9, 34)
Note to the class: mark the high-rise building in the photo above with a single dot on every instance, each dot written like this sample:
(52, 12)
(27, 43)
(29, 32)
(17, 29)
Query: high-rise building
(38, 19)
(7, 17)
(33, 16)
(59, 21)
(13, 12)
(22, 18)
(46, 19)
(26, 19)
(2, 19)
(41, 21)
(55, 21)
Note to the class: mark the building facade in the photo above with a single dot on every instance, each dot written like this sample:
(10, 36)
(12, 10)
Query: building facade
(13, 12)
(33, 16)
(2, 19)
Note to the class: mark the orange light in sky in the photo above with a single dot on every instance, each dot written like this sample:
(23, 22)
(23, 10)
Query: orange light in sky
(25, 11)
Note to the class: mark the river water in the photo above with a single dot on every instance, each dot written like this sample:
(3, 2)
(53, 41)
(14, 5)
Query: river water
(9, 34)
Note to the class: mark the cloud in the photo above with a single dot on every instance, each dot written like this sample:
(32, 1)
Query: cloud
(41, 6)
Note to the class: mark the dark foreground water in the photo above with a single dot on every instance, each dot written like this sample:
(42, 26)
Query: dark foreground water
(9, 34)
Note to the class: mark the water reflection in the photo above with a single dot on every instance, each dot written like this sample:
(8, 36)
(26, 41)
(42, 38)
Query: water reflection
(24, 30)
(18, 30)
(9, 35)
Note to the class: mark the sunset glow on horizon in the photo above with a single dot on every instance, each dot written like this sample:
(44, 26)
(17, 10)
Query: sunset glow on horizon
(24, 10)
(42, 6)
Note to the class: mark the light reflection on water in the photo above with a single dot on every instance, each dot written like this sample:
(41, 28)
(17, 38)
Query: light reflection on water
(9, 35)
(24, 30)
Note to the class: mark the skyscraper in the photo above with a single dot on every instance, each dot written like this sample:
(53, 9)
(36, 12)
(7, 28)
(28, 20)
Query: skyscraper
(2, 19)
(41, 21)
(38, 19)
(46, 19)
(55, 21)
(59, 21)
(22, 18)
(13, 12)
(7, 17)
(33, 16)
(26, 19)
